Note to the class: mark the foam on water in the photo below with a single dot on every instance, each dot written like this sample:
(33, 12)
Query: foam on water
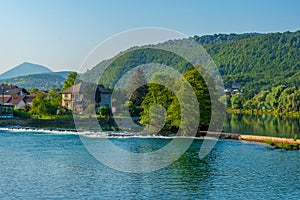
(93, 134)
(36, 130)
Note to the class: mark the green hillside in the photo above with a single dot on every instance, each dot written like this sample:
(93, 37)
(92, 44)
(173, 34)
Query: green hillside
(257, 61)
(42, 81)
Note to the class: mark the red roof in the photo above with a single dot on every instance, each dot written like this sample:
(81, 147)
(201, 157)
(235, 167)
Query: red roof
(6, 98)
(73, 89)
(12, 90)
(16, 99)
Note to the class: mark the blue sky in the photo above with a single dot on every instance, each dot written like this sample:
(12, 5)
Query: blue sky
(60, 33)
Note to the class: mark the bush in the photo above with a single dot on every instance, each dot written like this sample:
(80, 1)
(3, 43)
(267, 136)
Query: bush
(21, 114)
(105, 111)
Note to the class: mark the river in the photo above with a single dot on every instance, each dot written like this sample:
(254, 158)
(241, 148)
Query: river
(56, 165)
(262, 125)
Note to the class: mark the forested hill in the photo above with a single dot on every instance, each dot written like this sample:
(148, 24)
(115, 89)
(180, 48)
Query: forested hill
(42, 81)
(221, 38)
(257, 61)
(260, 61)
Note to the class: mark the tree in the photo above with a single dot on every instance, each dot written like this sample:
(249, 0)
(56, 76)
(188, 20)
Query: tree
(55, 98)
(42, 105)
(73, 78)
(105, 111)
(273, 97)
(33, 90)
(46, 103)
(159, 94)
(138, 89)
(200, 88)
(236, 101)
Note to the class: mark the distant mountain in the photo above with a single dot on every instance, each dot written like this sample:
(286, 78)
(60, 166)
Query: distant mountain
(29, 75)
(44, 81)
(63, 74)
(25, 69)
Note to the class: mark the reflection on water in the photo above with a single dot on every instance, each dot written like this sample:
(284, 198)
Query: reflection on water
(36, 165)
(262, 125)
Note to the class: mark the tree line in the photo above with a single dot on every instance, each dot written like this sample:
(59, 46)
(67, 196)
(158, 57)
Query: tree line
(279, 100)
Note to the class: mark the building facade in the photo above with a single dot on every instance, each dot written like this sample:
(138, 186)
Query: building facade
(78, 96)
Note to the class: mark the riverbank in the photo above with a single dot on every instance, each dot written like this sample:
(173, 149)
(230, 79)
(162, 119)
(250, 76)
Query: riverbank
(265, 112)
(276, 142)
(39, 123)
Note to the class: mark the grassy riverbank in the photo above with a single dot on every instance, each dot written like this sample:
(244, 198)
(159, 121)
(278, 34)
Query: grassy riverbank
(275, 113)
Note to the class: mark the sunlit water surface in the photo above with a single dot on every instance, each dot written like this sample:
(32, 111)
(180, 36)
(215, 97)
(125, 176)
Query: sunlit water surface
(51, 165)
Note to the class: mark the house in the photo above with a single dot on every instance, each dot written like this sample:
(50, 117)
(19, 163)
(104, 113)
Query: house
(235, 91)
(4, 99)
(29, 100)
(13, 95)
(15, 100)
(235, 85)
(18, 101)
(13, 90)
(105, 96)
(227, 90)
(6, 110)
(73, 97)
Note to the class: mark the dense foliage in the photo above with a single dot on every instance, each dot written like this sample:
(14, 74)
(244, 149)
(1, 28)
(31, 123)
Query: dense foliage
(72, 79)
(138, 89)
(46, 104)
(123, 63)
(267, 66)
(257, 61)
(170, 107)
(280, 99)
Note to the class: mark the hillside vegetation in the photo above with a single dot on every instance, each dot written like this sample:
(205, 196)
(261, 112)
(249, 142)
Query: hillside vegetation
(257, 61)
(42, 81)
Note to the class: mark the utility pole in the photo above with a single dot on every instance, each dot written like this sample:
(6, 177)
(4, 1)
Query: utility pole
(2, 87)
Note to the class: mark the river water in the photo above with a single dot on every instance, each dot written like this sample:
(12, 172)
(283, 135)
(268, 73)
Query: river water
(56, 165)
(262, 125)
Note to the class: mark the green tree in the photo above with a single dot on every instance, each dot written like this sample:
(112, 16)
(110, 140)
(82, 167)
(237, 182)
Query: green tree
(73, 78)
(202, 93)
(138, 89)
(42, 105)
(236, 101)
(55, 98)
(273, 97)
(33, 90)
(105, 112)
(159, 94)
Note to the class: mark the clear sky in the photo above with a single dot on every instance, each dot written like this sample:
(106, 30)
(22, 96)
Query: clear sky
(60, 33)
